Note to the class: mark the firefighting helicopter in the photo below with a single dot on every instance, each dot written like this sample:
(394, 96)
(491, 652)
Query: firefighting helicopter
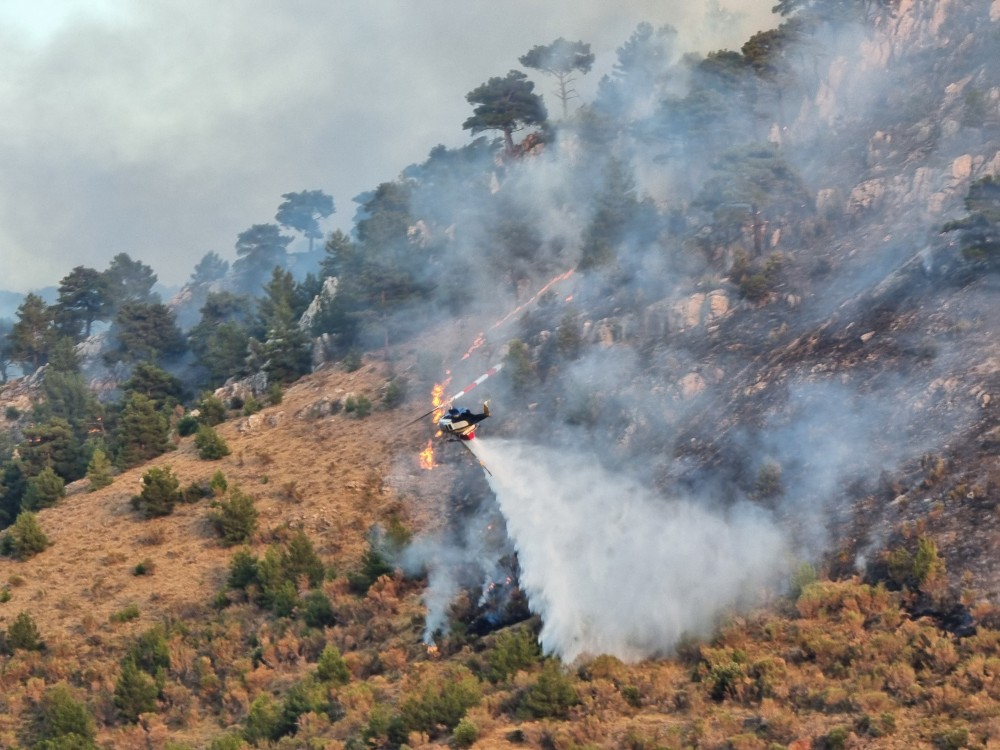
(460, 424)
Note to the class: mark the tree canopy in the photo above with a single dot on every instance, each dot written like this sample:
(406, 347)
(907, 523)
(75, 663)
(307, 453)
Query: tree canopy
(560, 59)
(505, 104)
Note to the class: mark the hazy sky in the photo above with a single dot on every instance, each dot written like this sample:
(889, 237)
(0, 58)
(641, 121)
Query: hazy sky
(164, 128)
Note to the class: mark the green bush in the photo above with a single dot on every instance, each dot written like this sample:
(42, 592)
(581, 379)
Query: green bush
(24, 538)
(23, 635)
(218, 484)
(395, 393)
(44, 490)
(551, 696)
(442, 703)
(263, 720)
(210, 444)
(317, 611)
(99, 470)
(331, 667)
(465, 734)
(160, 492)
(234, 519)
(150, 651)
(359, 406)
(187, 425)
(135, 692)
(243, 570)
(127, 614)
(514, 650)
(63, 722)
(274, 394)
(211, 410)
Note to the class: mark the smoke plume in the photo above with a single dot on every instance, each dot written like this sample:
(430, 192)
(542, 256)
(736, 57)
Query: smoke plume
(611, 567)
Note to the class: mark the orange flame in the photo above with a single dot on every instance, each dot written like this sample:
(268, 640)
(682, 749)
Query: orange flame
(427, 461)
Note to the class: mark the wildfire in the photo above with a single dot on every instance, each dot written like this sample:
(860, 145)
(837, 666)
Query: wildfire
(437, 396)
(432, 651)
(539, 293)
(427, 456)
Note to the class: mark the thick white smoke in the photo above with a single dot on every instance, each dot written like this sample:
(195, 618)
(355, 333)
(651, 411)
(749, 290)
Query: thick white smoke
(611, 567)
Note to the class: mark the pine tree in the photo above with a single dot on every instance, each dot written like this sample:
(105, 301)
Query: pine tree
(44, 490)
(24, 538)
(160, 493)
(99, 470)
(32, 335)
(83, 298)
(135, 692)
(143, 433)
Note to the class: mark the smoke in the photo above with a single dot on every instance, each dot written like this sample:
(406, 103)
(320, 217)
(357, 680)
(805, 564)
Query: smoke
(611, 567)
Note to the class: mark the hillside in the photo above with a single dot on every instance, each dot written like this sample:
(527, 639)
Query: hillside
(739, 484)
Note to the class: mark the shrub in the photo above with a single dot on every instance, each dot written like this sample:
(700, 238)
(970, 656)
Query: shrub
(135, 692)
(23, 634)
(395, 393)
(11, 413)
(551, 696)
(331, 667)
(373, 567)
(263, 720)
(317, 611)
(160, 492)
(218, 484)
(251, 406)
(234, 519)
(442, 702)
(129, 613)
(64, 722)
(514, 650)
(359, 406)
(465, 734)
(210, 444)
(274, 394)
(44, 490)
(99, 471)
(211, 410)
(150, 651)
(352, 361)
(144, 568)
(24, 538)
(187, 425)
(243, 570)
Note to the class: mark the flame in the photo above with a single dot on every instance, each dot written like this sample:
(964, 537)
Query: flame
(427, 457)
(432, 651)
(437, 396)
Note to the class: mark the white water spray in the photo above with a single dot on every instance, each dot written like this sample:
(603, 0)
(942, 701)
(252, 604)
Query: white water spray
(614, 569)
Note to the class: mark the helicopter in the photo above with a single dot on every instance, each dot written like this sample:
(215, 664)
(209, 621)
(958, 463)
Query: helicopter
(460, 425)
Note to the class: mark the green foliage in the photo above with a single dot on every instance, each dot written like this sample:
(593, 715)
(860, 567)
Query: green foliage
(32, 334)
(505, 104)
(359, 406)
(395, 393)
(515, 649)
(44, 490)
(373, 566)
(160, 492)
(243, 570)
(99, 470)
(802, 576)
(150, 651)
(441, 702)
(299, 560)
(145, 332)
(63, 722)
(218, 484)
(24, 538)
(465, 734)
(156, 384)
(264, 721)
(551, 696)
(260, 249)
(234, 519)
(561, 59)
(927, 564)
(135, 692)
(331, 667)
(23, 634)
(227, 742)
(274, 394)
(352, 361)
(187, 425)
(210, 444)
(143, 431)
(301, 211)
(211, 410)
(126, 614)
(317, 611)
